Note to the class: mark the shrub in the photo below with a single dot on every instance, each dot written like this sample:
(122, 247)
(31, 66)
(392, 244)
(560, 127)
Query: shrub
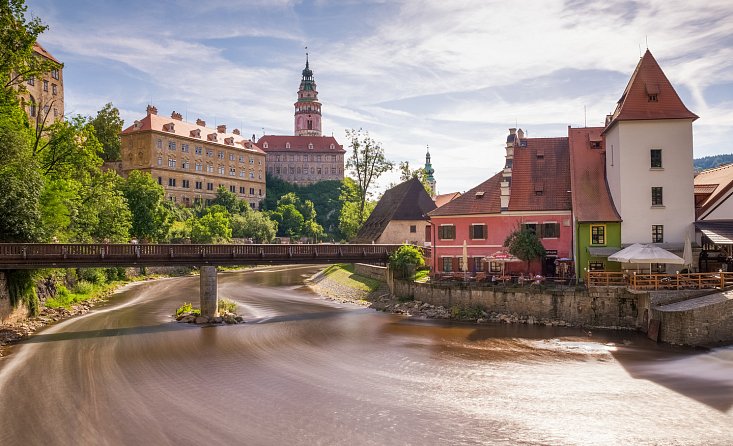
(93, 275)
(227, 306)
(466, 313)
(83, 287)
(187, 308)
(406, 259)
(115, 274)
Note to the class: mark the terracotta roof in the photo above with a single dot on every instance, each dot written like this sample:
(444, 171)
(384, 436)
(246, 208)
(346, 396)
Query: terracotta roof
(635, 104)
(716, 181)
(443, 199)
(540, 175)
(186, 129)
(406, 201)
(278, 143)
(482, 199)
(591, 198)
(43, 52)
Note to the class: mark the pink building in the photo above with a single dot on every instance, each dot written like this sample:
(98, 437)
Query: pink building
(533, 190)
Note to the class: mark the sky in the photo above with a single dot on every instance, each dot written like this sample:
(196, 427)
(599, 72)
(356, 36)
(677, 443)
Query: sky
(452, 75)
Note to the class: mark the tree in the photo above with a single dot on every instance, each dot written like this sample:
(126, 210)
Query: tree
(524, 244)
(255, 225)
(368, 163)
(229, 201)
(108, 126)
(349, 223)
(150, 218)
(407, 174)
(213, 227)
(18, 62)
(289, 221)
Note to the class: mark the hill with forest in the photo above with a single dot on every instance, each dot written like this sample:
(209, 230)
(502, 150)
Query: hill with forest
(708, 162)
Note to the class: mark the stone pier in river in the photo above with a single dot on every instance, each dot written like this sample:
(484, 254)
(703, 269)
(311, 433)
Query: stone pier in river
(209, 295)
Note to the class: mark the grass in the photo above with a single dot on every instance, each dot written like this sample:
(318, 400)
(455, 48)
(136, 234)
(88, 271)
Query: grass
(226, 306)
(83, 291)
(188, 308)
(422, 275)
(343, 273)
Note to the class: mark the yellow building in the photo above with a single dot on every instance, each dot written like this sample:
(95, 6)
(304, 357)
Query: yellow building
(43, 99)
(191, 160)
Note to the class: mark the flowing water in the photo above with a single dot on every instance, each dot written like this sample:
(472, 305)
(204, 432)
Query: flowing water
(308, 371)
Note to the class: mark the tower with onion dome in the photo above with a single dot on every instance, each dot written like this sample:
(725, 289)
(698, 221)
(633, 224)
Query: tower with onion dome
(307, 108)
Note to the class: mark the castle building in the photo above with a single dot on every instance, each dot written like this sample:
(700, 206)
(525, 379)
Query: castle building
(191, 161)
(43, 99)
(307, 156)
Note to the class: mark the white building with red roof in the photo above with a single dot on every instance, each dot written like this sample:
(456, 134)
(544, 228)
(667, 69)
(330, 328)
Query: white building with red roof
(307, 156)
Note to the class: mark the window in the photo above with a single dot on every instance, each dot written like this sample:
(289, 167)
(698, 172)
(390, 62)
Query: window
(232, 172)
(158, 143)
(447, 232)
(478, 263)
(31, 80)
(595, 144)
(318, 158)
(241, 158)
(413, 229)
(494, 267)
(251, 190)
(199, 185)
(209, 186)
(259, 192)
(447, 264)
(657, 196)
(199, 167)
(657, 233)
(184, 148)
(530, 227)
(550, 230)
(45, 85)
(232, 189)
(210, 168)
(287, 145)
(305, 157)
(597, 235)
(160, 161)
(184, 165)
(160, 180)
(652, 98)
(241, 174)
(171, 145)
(310, 124)
(55, 74)
(54, 89)
(221, 170)
(209, 152)
(186, 184)
(199, 150)
(171, 163)
(478, 231)
(171, 182)
(221, 154)
(596, 266)
(251, 160)
(252, 174)
(242, 190)
(231, 157)
(656, 158)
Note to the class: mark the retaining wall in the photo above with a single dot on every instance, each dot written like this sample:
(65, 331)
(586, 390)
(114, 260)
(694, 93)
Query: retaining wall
(601, 307)
(372, 271)
(702, 321)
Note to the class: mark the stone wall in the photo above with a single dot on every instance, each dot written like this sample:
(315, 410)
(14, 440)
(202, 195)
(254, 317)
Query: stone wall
(372, 271)
(603, 307)
(702, 321)
(8, 314)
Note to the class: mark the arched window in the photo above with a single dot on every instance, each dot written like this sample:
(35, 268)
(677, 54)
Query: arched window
(287, 145)
(32, 106)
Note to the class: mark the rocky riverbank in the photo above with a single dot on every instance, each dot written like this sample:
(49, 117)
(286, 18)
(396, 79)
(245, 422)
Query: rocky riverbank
(381, 300)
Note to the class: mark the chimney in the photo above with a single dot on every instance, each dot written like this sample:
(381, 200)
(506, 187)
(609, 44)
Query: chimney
(221, 128)
(520, 134)
(506, 179)
(152, 110)
(137, 125)
(235, 131)
(200, 122)
(253, 137)
(177, 116)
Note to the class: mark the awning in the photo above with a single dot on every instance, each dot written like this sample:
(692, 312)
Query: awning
(719, 232)
(602, 251)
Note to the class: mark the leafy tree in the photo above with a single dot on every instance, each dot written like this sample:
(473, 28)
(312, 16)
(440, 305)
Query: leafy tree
(255, 225)
(150, 217)
(228, 200)
(108, 126)
(405, 258)
(179, 232)
(407, 174)
(349, 223)
(70, 150)
(18, 62)
(213, 227)
(524, 244)
(368, 163)
(289, 220)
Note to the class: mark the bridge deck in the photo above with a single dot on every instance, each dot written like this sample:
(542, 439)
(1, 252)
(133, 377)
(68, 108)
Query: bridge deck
(59, 255)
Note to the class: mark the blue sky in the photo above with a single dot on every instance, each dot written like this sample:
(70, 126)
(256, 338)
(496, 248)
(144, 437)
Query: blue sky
(454, 75)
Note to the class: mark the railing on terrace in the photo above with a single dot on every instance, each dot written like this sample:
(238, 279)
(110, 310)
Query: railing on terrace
(637, 281)
(30, 255)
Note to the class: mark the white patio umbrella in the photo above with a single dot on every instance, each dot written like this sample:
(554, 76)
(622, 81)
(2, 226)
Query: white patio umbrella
(687, 252)
(638, 253)
(501, 257)
(465, 259)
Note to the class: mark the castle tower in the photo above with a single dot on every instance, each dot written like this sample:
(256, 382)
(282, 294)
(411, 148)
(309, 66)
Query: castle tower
(429, 171)
(307, 109)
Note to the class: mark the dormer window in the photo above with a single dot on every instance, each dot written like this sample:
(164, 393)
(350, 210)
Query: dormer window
(211, 136)
(287, 145)
(652, 98)
(480, 194)
(170, 127)
(229, 141)
(310, 145)
(540, 154)
(265, 145)
(595, 144)
(652, 92)
(195, 133)
(333, 146)
(539, 189)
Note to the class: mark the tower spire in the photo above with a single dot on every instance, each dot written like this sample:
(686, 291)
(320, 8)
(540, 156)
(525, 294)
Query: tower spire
(429, 171)
(307, 108)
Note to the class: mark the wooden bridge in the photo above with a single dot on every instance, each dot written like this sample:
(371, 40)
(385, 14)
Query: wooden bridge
(61, 255)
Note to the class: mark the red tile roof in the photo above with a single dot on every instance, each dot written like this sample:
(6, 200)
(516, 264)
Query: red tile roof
(442, 199)
(278, 143)
(716, 181)
(635, 104)
(43, 52)
(540, 175)
(184, 129)
(475, 202)
(591, 198)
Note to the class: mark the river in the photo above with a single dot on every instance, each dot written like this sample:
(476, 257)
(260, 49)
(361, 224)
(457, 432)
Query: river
(305, 371)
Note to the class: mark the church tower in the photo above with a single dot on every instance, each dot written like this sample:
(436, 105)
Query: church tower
(307, 109)
(429, 171)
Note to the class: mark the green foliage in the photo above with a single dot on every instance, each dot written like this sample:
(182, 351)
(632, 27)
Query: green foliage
(150, 217)
(107, 127)
(83, 287)
(226, 306)
(407, 174)
(115, 274)
(708, 162)
(17, 36)
(349, 220)
(229, 201)
(92, 275)
(406, 258)
(525, 245)
(21, 288)
(466, 313)
(187, 308)
(325, 196)
(70, 150)
(368, 163)
(179, 232)
(255, 225)
(289, 220)
(213, 227)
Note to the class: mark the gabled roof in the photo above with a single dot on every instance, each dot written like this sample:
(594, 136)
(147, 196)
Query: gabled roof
(183, 129)
(717, 182)
(38, 49)
(279, 143)
(591, 198)
(648, 80)
(406, 201)
(482, 199)
(443, 199)
(540, 175)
